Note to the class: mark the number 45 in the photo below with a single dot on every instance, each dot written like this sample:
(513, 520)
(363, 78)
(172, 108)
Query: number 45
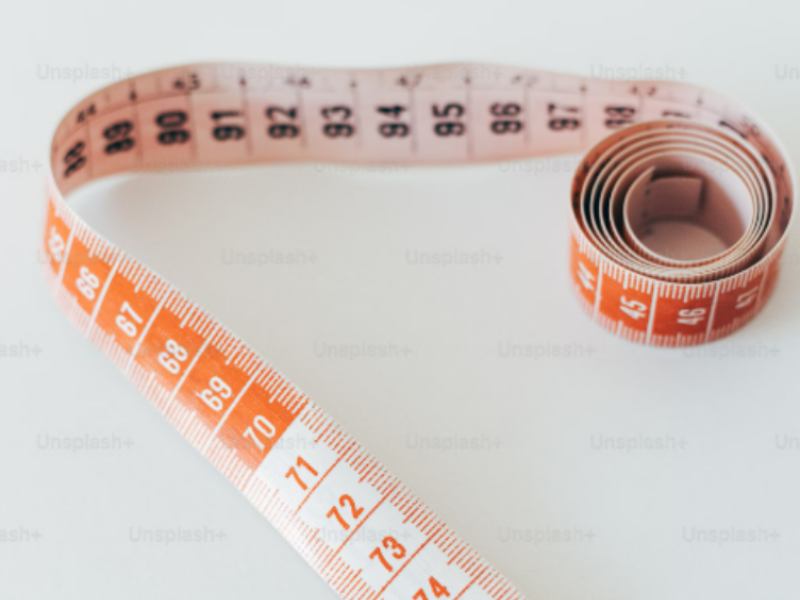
(633, 308)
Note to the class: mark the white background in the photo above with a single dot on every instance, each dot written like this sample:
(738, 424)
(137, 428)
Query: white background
(559, 517)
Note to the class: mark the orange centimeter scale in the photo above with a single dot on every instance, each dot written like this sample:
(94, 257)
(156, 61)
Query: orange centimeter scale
(355, 523)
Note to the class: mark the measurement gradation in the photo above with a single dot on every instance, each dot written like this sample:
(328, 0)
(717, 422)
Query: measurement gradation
(356, 524)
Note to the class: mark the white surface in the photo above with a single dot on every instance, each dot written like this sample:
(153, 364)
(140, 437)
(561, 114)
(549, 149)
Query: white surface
(588, 523)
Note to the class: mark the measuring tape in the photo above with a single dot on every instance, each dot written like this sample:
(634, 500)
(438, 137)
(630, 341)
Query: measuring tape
(679, 216)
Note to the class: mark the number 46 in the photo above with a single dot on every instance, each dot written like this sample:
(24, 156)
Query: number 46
(691, 316)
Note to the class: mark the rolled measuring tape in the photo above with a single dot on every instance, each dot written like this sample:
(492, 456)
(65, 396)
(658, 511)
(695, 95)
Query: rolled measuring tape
(680, 210)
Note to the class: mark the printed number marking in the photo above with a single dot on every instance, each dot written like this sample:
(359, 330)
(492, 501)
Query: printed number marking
(226, 131)
(301, 463)
(563, 118)
(586, 277)
(746, 299)
(118, 137)
(283, 122)
(691, 316)
(74, 159)
(172, 124)
(264, 427)
(87, 282)
(437, 589)
(506, 124)
(128, 326)
(172, 358)
(633, 308)
(355, 512)
(193, 83)
(213, 395)
(86, 113)
(397, 551)
(56, 245)
(451, 126)
(619, 116)
(337, 125)
(392, 128)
